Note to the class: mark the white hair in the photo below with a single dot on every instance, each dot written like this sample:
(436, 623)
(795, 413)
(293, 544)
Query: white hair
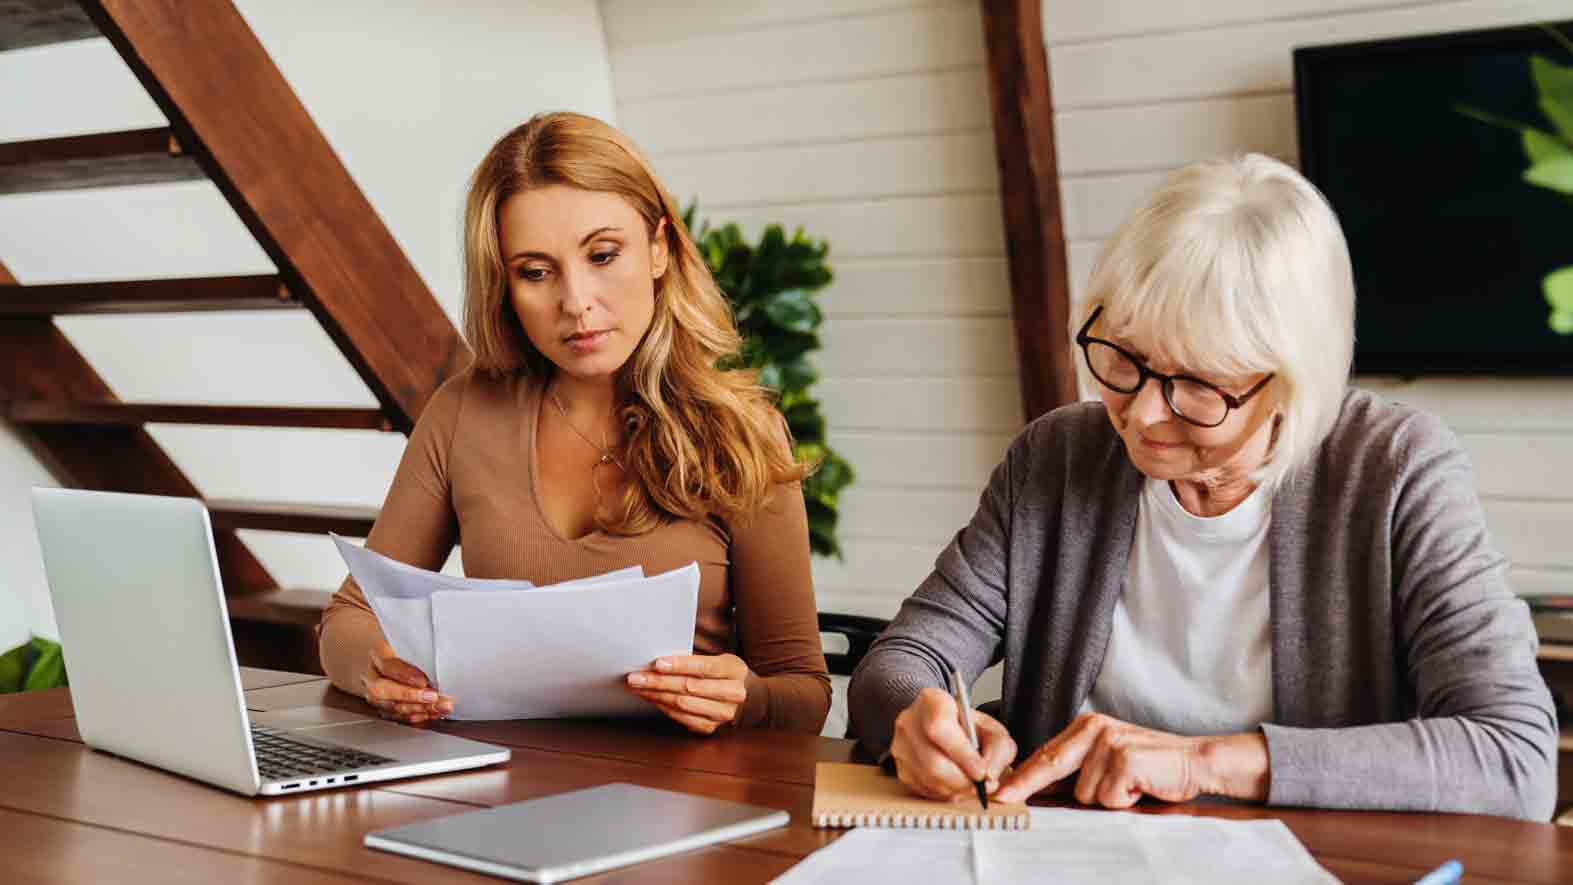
(1238, 267)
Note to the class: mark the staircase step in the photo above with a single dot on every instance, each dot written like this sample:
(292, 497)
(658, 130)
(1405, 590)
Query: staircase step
(58, 412)
(25, 23)
(293, 606)
(101, 159)
(311, 519)
(261, 292)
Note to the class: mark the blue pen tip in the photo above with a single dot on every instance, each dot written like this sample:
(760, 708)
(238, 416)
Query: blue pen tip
(1446, 874)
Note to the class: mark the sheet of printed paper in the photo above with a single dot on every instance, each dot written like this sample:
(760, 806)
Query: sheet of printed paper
(545, 653)
(400, 595)
(1070, 846)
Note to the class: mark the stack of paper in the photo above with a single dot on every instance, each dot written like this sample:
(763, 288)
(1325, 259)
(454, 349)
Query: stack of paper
(1070, 846)
(511, 650)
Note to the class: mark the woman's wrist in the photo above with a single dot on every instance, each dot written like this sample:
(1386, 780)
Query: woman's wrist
(1237, 766)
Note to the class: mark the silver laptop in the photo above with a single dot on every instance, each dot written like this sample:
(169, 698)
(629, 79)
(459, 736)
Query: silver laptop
(137, 596)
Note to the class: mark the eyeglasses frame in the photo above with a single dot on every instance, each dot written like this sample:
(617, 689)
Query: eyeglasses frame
(1165, 382)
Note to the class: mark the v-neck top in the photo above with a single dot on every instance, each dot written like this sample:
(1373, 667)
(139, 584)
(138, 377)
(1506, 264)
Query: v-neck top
(470, 472)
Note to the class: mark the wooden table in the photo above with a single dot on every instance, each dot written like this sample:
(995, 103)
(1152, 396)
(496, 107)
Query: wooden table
(70, 814)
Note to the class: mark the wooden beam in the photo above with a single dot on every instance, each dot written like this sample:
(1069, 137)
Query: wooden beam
(105, 414)
(25, 23)
(261, 292)
(37, 362)
(302, 608)
(101, 159)
(1030, 197)
(200, 62)
(311, 519)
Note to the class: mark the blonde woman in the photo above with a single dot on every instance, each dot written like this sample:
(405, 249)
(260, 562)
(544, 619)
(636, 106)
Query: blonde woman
(594, 432)
(1233, 574)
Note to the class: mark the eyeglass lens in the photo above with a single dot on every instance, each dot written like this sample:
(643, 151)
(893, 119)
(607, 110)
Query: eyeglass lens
(1195, 402)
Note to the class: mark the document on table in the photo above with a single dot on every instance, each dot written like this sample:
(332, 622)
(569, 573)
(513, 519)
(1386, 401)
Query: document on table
(1071, 846)
(511, 650)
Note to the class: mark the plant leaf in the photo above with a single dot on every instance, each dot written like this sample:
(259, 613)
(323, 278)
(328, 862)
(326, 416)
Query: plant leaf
(1561, 322)
(1558, 287)
(822, 529)
(794, 310)
(1554, 174)
(805, 422)
(797, 375)
(49, 669)
(1556, 35)
(1555, 83)
(1540, 146)
(1491, 119)
(11, 664)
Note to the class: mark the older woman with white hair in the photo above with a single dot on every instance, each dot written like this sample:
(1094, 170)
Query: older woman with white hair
(1234, 575)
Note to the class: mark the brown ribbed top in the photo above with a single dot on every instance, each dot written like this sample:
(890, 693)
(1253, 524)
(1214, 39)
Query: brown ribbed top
(469, 472)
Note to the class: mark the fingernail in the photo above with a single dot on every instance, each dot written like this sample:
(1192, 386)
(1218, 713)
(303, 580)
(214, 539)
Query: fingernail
(636, 679)
(445, 706)
(663, 664)
(428, 696)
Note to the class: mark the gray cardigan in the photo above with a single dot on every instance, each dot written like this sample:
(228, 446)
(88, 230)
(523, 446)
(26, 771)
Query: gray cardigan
(1404, 671)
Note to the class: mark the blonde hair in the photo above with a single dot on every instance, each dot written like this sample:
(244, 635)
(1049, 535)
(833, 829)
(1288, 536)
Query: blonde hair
(1236, 267)
(697, 441)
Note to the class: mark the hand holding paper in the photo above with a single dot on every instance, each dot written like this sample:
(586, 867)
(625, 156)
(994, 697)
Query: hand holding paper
(400, 691)
(700, 692)
(509, 650)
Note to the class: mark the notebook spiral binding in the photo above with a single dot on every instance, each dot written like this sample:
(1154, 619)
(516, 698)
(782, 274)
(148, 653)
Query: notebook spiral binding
(921, 821)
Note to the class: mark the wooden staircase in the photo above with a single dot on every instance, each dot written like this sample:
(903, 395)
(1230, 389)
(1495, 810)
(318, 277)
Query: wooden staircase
(334, 258)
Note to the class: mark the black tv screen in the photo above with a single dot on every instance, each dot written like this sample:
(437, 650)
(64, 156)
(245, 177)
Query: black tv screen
(1450, 244)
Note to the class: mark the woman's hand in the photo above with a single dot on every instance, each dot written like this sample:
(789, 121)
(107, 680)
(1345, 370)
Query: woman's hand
(1120, 762)
(932, 753)
(399, 690)
(702, 692)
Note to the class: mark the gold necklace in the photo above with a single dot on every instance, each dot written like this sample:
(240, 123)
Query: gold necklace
(604, 449)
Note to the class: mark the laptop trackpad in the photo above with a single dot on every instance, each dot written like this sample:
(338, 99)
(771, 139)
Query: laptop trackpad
(365, 733)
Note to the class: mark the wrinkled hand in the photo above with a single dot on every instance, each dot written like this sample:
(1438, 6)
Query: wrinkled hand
(701, 692)
(1120, 762)
(932, 753)
(400, 691)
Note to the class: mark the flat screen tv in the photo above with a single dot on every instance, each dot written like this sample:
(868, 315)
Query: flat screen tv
(1450, 244)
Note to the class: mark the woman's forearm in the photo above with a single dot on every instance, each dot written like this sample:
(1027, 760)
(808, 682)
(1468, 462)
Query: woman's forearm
(345, 646)
(788, 701)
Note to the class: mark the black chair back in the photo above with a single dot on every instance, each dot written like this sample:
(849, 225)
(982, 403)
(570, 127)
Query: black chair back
(860, 633)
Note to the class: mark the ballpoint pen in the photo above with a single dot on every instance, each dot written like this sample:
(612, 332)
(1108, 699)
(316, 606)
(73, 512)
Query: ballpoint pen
(958, 688)
(1446, 874)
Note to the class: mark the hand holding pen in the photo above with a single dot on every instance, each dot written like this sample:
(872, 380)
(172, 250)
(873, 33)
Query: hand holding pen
(935, 758)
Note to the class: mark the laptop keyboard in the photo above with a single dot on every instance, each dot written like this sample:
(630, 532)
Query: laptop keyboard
(281, 757)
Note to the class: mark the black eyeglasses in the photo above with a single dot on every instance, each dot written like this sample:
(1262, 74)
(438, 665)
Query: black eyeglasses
(1192, 400)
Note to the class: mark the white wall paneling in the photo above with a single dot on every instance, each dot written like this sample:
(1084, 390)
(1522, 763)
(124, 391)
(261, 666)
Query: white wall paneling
(867, 123)
(1143, 87)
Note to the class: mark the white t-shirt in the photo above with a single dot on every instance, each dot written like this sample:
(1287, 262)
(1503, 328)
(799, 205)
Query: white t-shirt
(1190, 651)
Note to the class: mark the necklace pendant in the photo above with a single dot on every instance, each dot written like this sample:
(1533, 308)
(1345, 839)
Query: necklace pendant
(605, 458)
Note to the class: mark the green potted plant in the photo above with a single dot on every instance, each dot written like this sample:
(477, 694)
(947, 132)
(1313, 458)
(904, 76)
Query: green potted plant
(33, 665)
(772, 287)
(1550, 156)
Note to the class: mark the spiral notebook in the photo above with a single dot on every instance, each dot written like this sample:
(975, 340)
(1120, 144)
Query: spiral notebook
(847, 795)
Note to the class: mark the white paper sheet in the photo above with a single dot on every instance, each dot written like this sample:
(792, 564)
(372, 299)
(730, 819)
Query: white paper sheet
(401, 595)
(868, 856)
(1071, 846)
(543, 654)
